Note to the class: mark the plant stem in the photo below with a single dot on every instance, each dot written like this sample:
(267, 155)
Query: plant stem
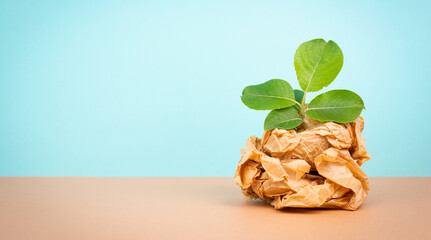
(297, 103)
(303, 100)
(301, 109)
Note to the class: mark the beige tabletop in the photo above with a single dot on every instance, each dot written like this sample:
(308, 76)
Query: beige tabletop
(198, 208)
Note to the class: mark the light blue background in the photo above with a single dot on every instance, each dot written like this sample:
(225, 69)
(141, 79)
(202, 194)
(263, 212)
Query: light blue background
(135, 88)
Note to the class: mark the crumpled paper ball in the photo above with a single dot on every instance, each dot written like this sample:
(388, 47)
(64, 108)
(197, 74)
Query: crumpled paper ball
(315, 166)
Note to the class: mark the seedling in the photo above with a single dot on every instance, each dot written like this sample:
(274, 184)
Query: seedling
(317, 64)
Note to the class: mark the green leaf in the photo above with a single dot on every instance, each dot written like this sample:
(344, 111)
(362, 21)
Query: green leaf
(337, 105)
(273, 94)
(286, 118)
(299, 95)
(317, 64)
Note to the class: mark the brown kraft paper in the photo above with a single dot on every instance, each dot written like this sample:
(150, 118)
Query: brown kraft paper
(316, 166)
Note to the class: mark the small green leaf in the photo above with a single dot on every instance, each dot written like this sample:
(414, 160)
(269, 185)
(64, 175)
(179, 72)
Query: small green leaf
(337, 105)
(286, 118)
(317, 64)
(299, 95)
(273, 94)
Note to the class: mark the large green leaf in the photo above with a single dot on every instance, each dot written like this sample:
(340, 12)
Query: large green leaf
(286, 118)
(337, 105)
(317, 64)
(273, 94)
